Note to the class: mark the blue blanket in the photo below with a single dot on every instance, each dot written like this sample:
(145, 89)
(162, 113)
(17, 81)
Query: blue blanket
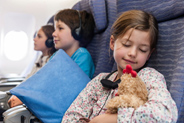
(49, 92)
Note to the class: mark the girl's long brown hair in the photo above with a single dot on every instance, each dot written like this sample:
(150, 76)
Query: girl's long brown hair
(48, 30)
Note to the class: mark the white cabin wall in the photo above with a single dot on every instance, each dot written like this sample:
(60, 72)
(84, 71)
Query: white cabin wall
(38, 12)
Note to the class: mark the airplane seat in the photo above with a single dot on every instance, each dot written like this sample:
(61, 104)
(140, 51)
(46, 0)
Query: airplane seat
(51, 21)
(104, 13)
(167, 59)
(4, 96)
(8, 83)
(20, 114)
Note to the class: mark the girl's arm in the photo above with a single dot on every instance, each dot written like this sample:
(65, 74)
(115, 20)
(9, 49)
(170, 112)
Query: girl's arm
(105, 118)
(82, 107)
(160, 106)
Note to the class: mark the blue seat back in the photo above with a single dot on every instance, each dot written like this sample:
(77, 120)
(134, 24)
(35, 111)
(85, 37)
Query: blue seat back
(104, 12)
(169, 57)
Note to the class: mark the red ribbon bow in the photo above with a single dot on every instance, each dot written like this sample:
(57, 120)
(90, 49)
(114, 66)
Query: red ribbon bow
(129, 70)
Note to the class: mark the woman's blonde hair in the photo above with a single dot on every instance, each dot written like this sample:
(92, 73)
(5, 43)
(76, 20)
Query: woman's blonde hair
(139, 20)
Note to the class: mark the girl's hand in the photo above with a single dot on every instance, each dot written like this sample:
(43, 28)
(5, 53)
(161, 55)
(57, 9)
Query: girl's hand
(105, 118)
(14, 101)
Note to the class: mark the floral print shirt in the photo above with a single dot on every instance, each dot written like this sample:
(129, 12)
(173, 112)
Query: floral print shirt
(90, 103)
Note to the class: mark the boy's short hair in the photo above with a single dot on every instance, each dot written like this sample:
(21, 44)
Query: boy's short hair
(72, 19)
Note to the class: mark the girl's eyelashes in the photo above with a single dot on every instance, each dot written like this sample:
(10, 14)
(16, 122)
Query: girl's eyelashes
(129, 44)
(144, 51)
(126, 45)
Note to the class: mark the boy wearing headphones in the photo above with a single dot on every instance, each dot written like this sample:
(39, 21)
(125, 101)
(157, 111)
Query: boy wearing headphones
(73, 32)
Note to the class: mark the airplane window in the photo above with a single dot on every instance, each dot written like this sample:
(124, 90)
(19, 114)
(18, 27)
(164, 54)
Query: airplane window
(15, 45)
(19, 19)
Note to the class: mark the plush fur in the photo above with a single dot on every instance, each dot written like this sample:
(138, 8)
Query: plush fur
(132, 92)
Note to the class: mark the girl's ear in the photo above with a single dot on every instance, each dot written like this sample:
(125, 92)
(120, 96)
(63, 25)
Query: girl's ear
(150, 53)
(112, 42)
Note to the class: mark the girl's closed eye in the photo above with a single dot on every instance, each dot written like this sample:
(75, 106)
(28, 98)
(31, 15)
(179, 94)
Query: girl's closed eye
(144, 49)
(126, 43)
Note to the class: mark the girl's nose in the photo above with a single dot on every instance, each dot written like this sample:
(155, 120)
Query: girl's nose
(34, 39)
(132, 52)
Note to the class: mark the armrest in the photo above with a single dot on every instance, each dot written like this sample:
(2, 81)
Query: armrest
(12, 79)
(4, 97)
(8, 85)
(19, 114)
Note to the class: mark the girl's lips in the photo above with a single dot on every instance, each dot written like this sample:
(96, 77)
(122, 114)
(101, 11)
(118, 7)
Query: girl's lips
(129, 61)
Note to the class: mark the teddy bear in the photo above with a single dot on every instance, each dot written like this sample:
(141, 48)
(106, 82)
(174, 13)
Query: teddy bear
(132, 92)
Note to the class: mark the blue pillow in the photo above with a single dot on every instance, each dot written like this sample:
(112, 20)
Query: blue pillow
(50, 91)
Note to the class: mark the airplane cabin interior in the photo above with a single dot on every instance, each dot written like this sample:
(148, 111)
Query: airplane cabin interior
(58, 79)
